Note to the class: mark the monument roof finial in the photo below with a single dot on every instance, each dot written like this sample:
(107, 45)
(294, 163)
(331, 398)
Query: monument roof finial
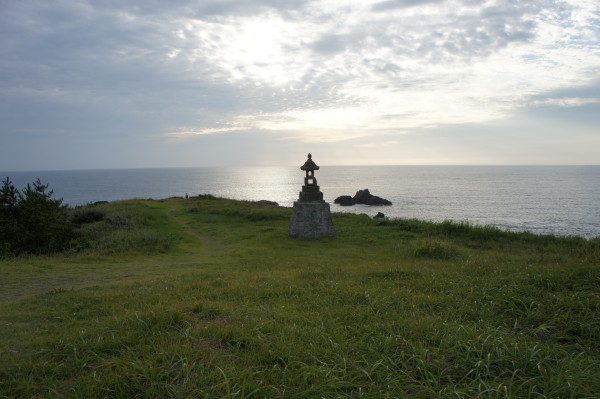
(309, 164)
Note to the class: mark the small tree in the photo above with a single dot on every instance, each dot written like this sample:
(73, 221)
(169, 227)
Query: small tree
(32, 221)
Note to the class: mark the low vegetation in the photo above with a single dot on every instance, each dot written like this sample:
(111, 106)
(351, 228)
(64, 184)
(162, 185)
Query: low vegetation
(207, 297)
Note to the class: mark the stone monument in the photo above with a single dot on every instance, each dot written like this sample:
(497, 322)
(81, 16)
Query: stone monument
(311, 216)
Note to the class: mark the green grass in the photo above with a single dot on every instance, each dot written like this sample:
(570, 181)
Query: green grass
(207, 297)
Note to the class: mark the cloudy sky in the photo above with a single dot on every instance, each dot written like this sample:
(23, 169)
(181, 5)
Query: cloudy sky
(115, 84)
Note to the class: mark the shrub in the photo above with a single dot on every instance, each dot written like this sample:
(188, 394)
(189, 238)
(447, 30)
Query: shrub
(119, 221)
(87, 215)
(5, 251)
(207, 197)
(435, 250)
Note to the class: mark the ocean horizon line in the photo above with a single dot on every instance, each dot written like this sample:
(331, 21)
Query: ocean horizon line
(290, 166)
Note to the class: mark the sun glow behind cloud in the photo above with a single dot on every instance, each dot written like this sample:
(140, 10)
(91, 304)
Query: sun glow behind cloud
(247, 49)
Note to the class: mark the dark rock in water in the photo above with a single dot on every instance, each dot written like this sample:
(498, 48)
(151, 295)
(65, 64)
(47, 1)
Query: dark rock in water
(266, 202)
(361, 197)
(345, 200)
(379, 216)
(366, 198)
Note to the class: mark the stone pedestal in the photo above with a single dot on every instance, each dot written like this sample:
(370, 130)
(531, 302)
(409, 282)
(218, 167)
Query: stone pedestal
(311, 219)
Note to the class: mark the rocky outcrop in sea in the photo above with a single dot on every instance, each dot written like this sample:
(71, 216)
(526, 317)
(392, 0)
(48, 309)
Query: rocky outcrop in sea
(361, 197)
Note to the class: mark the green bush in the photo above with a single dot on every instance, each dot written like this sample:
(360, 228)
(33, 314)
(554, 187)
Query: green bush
(5, 251)
(434, 249)
(87, 215)
(207, 197)
(32, 221)
(119, 221)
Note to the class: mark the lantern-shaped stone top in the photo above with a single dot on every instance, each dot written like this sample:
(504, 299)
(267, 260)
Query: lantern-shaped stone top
(310, 190)
(309, 164)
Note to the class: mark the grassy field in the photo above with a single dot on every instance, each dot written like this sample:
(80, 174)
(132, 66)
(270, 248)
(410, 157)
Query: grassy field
(206, 297)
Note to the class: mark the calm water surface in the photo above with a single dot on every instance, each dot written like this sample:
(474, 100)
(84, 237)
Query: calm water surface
(563, 200)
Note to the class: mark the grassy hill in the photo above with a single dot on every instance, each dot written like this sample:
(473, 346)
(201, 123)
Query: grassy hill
(207, 297)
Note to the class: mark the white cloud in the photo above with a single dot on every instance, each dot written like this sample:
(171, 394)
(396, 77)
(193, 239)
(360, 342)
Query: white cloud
(377, 144)
(196, 131)
(566, 102)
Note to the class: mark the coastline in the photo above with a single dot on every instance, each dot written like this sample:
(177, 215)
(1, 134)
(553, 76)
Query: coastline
(543, 200)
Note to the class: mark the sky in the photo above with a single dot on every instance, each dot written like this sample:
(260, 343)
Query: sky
(132, 84)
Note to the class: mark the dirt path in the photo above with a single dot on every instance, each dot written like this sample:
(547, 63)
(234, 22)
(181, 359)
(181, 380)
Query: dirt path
(210, 246)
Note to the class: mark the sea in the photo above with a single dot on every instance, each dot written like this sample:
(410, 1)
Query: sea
(559, 200)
